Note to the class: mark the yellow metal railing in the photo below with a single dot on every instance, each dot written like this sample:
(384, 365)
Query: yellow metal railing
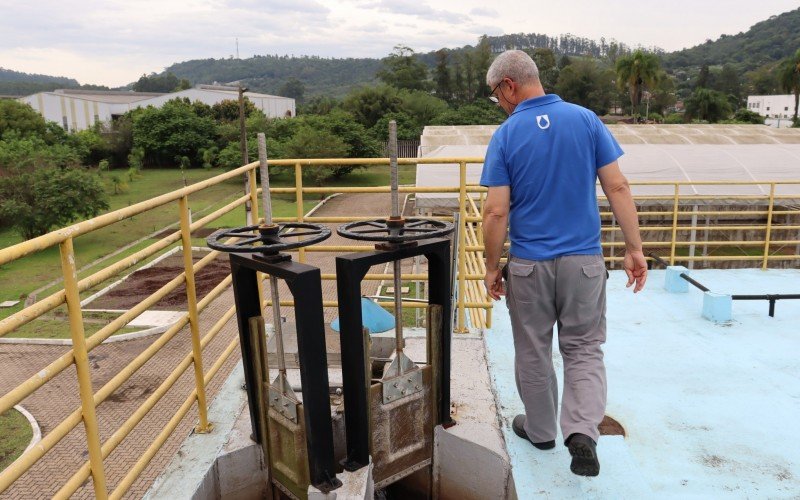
(667, 224)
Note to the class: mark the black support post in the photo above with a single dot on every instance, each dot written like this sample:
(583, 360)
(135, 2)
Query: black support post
(305, 285)
(350, 271)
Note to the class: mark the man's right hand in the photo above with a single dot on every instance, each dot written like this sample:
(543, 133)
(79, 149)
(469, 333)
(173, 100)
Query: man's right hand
(635, 266)
(493, 280)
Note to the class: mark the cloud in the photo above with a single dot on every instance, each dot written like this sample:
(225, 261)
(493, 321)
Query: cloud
(483, 11)
(419, 10)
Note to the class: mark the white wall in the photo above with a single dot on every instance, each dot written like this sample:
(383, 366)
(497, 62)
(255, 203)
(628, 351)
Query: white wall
(76, 113)
(772, 106)
(71, 112)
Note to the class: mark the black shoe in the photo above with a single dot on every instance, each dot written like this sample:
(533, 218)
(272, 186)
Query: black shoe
(584, 455)
(519, 429)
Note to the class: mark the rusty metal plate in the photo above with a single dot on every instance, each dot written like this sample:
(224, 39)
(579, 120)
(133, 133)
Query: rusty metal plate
(402, 431)
(288, 455)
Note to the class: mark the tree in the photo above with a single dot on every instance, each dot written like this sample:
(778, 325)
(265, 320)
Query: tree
(159, 83)
(441, 76)
(703, 78)
(584, 83)
(635, 72)
(763, 81)
(172, 130)
(403, 70)
(421, 106)
(663, 95)
(38, 200)
(729, 82)
(293, 88)
(744, 115)
(318, 105)
(370, 103)
(342, 125)
(545, 60)
(482, 58)
(20, 117)
(477, 113)
(790, 78)
(228, 110)
(706, 104)
(310, 142)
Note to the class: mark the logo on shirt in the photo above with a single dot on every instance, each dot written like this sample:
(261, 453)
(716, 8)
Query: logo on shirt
(543, 121)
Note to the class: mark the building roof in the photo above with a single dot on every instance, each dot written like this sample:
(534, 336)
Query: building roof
(107, 96)
(653, 153)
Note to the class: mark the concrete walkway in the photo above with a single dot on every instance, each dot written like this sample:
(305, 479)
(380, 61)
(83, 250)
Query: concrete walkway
(58, 398)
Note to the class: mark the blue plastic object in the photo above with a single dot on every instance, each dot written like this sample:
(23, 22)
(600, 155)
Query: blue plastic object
(374, 317)
(717, 307)
(673, 283)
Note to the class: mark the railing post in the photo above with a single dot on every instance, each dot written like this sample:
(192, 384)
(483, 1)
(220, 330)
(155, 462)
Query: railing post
(298, 186)
(191, 300)
(674, 225)
(251, 176)
(73, 300)
(768, 234)
(462, 253)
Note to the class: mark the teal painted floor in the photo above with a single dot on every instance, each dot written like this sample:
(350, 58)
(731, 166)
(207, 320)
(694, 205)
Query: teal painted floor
(710, 410)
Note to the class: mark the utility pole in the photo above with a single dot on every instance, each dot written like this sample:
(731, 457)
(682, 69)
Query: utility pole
(249, 220)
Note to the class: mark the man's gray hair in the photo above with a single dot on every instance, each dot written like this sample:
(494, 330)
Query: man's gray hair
(514, 64)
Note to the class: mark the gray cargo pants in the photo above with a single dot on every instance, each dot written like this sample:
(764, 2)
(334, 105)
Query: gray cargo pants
(569, 291)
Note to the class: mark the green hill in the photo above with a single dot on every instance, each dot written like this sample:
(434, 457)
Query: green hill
(768, 41)
(19, 83)
(321, 76)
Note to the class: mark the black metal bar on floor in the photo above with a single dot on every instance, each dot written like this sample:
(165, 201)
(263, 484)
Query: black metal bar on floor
(771, 297)
(682, 275)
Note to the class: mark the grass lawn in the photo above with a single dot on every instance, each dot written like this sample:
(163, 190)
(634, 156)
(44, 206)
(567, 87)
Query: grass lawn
(59, 329)
(409, 314)
(15, 434)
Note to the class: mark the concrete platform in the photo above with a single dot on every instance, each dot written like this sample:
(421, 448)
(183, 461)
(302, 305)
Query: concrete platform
(709, 408)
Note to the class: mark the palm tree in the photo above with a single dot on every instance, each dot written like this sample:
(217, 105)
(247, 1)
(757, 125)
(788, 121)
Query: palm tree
(636, 71)
(790, 78)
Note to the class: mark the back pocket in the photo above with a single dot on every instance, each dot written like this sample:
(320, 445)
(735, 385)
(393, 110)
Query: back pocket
(522, 283)
(591, 282)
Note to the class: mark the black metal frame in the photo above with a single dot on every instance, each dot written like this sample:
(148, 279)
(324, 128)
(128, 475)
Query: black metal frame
(304, 283)
(350, 271)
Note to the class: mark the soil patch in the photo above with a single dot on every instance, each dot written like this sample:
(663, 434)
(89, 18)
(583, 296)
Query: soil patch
(144, 282)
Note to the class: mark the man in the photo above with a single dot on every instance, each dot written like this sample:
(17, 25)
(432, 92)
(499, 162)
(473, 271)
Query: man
(541, 168)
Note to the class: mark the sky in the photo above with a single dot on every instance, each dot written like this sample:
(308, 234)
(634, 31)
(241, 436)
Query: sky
(113, 42)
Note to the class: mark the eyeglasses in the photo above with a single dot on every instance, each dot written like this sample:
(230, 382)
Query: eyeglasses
(493, 98)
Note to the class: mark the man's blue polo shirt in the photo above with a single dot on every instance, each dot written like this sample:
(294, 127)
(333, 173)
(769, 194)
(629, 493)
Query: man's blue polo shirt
(549, 152)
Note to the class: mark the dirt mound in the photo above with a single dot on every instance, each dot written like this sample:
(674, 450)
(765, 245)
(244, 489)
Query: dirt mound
(144, 282)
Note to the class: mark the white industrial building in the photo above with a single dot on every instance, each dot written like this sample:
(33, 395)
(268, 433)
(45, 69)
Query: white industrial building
(772, 106)
(81, 109)
(652, 153)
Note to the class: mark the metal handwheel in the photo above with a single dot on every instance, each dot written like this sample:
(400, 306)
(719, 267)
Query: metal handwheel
(269, 238)
(395, 230)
